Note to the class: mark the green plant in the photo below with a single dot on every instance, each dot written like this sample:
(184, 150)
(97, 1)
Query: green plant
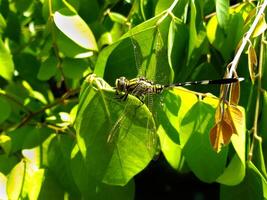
(58, 64)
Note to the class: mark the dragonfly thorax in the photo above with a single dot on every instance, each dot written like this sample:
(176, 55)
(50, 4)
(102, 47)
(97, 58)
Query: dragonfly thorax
(138, 87)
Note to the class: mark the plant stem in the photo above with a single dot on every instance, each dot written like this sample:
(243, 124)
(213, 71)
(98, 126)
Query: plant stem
(61, 100)
(257, 107)
(14, 100)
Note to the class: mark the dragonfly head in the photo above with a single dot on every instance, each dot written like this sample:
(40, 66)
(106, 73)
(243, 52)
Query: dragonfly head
(121, 84)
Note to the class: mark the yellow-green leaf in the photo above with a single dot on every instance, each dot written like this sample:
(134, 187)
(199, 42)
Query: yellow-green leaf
(73, 26)
(260, 28)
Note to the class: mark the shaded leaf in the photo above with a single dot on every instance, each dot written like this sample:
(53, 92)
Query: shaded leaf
(5, 109)
(222, 12)
(74, 68)
(90, 188)
(47, 69)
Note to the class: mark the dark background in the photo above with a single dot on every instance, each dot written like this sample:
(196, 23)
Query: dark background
(160, 181)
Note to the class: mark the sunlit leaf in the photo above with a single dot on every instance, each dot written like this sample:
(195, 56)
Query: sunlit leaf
(261, 27)
(16, 180)
(252, 62)
(5, 143)
(117, 17)
(6, 62)
(76, 29)
(3, 192)
(234, 172)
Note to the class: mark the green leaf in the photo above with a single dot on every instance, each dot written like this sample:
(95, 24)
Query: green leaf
(176, 46)
(75, 28)
(260, 28)
(114, 136)
(175, 105)
(17, 137)
(6, 62)
(117, 17)
(48, 69)
(253, 187)
(36, 137)
(74, 68)
(234, 173)
(5, 109)
(222, 11)
(7, 162)
(92, 189)
(232, 176)
(141, 51)
(58, 154)
(206, 164)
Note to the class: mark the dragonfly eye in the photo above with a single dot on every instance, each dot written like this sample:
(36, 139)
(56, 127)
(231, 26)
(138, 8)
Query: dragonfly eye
(121, 83)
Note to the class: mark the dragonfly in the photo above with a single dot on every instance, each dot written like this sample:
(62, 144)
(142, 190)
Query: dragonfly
(140, 87)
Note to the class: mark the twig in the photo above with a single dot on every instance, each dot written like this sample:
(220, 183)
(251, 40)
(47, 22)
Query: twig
(13, 99)
(61, 100)
(257, 107)
(245, 40)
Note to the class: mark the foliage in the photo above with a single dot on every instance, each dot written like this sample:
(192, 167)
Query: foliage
(65, 135)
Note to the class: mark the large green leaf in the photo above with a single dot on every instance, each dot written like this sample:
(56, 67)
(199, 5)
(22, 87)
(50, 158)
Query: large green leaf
(90, 188)
(199, 154)
(6, 62)
(170, 113)
(141, 51)
(130, 125)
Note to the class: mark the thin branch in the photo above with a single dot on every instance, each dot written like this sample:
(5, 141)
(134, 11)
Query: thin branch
(16, 101)
(245, 40)
(61, 100)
